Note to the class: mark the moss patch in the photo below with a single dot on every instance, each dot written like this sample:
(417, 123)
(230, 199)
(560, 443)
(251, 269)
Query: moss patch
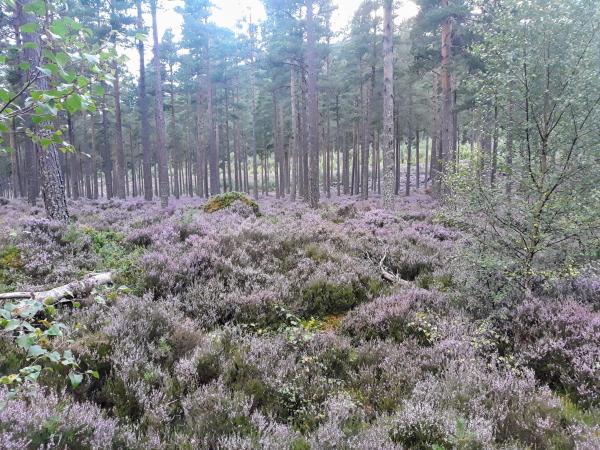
(10, 265)
(219, 202)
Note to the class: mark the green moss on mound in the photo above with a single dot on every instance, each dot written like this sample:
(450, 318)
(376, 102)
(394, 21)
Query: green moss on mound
(219, 202)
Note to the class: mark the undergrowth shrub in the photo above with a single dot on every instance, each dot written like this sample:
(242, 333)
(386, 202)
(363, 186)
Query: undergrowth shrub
(474, 405)
(401, 316)
(559, 342)
(322, 297)
(278, 332)
(43, 419)
(213, 411)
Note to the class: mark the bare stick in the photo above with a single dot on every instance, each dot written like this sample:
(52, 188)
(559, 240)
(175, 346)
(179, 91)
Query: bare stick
(75, 289)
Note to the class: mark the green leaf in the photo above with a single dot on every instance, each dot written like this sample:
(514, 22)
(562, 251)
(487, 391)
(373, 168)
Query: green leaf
(82, 81)
(69, 76)
(46, 108)
(76, 379)
(62, 58)
(54, 330)
(12, 325)
(73, 103)
(59, 28)
(48, 69)
(99, 90)
(5, 95)
(30, 27)
(37, 7)
(92, 59)
(25, 341)
(10, 379)
(54, 357)
(36, 350)
(68, 358)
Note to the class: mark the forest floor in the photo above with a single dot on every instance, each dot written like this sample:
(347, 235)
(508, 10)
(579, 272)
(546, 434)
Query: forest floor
(342, 327)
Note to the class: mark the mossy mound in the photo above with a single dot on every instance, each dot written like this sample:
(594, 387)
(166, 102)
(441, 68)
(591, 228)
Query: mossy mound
(219, 202)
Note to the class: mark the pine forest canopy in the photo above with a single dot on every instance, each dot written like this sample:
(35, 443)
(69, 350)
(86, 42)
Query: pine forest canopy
(477, 103)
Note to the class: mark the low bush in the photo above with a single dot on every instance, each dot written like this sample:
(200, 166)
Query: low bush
(474, 405)
(401, 316)
(559, 342)
(43, 419)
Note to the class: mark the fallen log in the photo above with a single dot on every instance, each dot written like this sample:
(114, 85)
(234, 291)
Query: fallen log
(389, 276)
(75, 289)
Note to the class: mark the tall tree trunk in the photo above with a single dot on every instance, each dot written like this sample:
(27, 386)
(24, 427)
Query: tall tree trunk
(426, 159)
(276, 144)
(417, 160)
(52, 183)
(294, 146)
(388, 107)
(237, 163)
(436, 164)
(304, 140)
(510, 145)
(447, 98)
(364, 156)
(119, 150)
(73, 159)
(408, 159)
(107, 163)
(134, 184)
(201, 142)
(30, 168)
(213, 151)
(253, 93)
(313, 107)
(227, 143)
(338, 143)
(161, 149)
(143, 111)
(14, 160)
(495, 136)
(174, 141)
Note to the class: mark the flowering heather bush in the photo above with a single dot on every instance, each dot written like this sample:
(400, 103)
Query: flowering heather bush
(399, 316)
(584, 288)
(278, 331)
(43, 419)
(559, 341)
(473, 405)
(52, 252)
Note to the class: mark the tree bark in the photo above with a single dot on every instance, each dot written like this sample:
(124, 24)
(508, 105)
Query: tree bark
(388, 107)
(294, 147)
(417, 159)
(75, 289)
(143, 111)
(52, 183)
(313, 107)
(253, 94)
(73, 159)
(447, 98)
(163, 169)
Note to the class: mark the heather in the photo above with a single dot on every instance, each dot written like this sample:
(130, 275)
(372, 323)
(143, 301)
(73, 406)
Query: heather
(228, 329)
